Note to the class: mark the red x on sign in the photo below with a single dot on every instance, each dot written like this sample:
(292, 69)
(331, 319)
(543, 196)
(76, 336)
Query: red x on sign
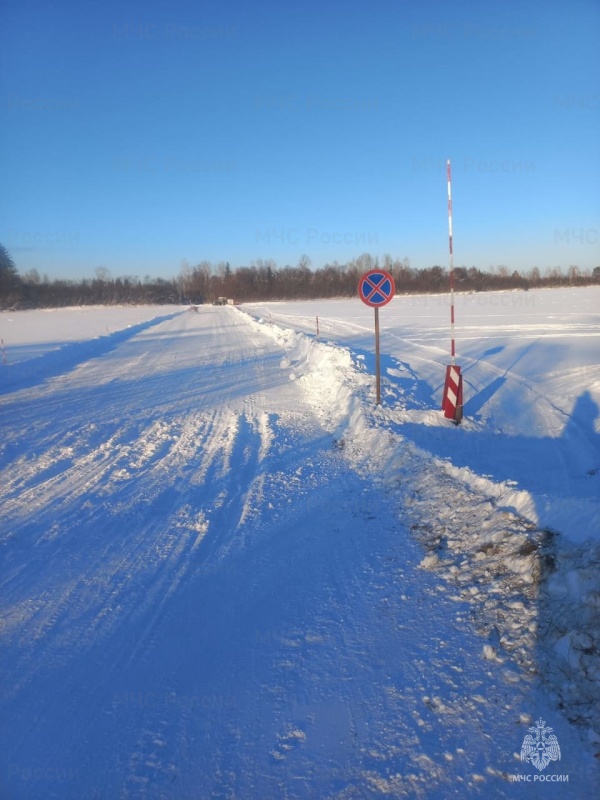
(376, 288)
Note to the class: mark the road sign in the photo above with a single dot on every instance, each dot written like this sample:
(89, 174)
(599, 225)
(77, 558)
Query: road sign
(376, 288)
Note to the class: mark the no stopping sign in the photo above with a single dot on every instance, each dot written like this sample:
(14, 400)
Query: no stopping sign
(376, 288)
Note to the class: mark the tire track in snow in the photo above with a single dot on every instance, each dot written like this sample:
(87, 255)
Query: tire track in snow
(128, 482)
(132, 498)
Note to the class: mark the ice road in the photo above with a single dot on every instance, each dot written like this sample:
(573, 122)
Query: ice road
(209, 592)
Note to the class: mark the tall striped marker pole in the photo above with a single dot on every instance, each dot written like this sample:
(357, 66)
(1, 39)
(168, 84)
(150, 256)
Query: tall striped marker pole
(452, 401)
(452, 345)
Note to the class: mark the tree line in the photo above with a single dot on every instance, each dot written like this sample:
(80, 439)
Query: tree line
(262, 281)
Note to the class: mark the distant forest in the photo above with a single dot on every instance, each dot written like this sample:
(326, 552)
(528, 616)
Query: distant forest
(262, 280)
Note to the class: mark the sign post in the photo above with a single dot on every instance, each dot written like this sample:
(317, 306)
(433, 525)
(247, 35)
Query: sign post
(376, 288)
(377, 359)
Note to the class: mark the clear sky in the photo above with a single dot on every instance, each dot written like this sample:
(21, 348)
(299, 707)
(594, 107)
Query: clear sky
(138, 134)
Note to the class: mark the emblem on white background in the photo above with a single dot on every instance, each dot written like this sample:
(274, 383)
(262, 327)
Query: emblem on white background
(540, 748)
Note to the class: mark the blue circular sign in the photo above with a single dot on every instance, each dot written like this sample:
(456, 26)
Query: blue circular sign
(376, 288)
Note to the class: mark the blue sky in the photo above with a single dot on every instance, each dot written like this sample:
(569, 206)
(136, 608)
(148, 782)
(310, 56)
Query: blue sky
(139, 134)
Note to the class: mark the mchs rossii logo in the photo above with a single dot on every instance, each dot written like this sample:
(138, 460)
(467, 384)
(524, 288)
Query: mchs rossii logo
(540, 747)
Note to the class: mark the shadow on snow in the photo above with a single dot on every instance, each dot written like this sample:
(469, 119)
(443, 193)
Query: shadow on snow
(26, 374)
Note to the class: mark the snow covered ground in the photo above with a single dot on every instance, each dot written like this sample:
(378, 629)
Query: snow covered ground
(227, 574)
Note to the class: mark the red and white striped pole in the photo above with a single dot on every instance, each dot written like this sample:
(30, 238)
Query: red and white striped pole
(452, 401)
(452, 345)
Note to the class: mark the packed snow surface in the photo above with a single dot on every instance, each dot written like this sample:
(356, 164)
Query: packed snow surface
(227, 574)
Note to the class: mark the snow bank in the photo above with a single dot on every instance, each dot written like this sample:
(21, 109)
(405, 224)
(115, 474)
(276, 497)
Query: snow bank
(29, 334)
(531, 384)
(42, 344)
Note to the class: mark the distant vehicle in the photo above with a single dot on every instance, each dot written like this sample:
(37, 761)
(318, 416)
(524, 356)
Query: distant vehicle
(220, 301)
